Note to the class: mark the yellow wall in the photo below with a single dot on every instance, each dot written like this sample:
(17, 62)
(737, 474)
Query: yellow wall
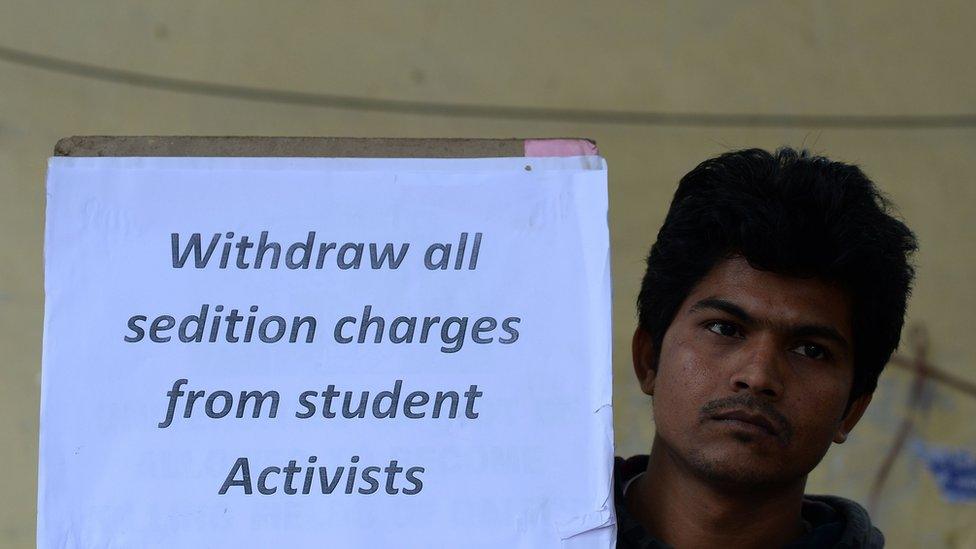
(843, 58)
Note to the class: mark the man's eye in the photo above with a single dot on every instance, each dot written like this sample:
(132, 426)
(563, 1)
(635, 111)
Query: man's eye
(812, 350)
(724, 329)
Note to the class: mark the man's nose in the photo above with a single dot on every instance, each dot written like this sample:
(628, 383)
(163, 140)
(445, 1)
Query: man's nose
(760, 368)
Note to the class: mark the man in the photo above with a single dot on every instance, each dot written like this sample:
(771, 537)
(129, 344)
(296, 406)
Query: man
(774, 295)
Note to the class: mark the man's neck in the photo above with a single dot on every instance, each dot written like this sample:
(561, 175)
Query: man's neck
(679, 507)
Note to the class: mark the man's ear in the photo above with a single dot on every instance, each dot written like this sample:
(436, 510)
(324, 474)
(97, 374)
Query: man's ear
(854, 413)
(645, 360)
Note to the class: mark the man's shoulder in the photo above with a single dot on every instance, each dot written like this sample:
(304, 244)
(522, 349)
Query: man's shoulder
(625, 470)
(839, 522)
(630, 534)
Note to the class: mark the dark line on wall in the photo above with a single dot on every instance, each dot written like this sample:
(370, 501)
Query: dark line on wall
(396, 106)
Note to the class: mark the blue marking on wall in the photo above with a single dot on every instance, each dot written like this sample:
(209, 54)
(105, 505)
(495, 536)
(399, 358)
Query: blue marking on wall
(954, 471)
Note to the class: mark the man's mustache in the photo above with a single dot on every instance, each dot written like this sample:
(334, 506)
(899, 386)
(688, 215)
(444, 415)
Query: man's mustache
(748, 402)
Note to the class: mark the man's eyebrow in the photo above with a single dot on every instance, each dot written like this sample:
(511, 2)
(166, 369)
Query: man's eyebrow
(804, 330)
(817, 330)
(724, 306)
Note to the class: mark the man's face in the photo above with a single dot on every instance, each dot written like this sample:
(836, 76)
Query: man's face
(753, 377)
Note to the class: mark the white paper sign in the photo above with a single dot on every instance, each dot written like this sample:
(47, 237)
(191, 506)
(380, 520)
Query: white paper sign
(326, 352)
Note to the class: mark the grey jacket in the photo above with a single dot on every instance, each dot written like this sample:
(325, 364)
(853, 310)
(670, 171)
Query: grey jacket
(831, 521)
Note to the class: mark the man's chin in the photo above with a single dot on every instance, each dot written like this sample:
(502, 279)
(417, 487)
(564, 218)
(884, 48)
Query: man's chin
(740, 469)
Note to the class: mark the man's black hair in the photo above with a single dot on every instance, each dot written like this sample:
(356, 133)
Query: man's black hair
(794, 214)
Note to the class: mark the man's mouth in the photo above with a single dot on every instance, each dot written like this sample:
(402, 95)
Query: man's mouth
(749, 420)
(748, 415)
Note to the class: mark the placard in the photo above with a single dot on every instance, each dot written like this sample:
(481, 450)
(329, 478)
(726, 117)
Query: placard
(341, 352)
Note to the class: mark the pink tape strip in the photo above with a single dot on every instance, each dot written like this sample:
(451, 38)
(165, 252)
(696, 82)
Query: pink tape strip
(559, 147)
